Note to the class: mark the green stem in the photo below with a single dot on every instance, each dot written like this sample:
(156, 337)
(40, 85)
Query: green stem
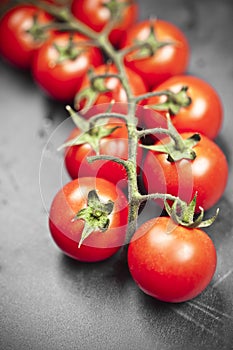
(174, 134)
(69, 22)
(161, 131)
(93, 120)
(110, 158)
(179, 143)
(153, 94)
(163, 196)
(131, 166)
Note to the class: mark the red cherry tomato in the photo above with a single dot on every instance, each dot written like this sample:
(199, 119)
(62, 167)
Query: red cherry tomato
(66, 233)
(114, 89)
(97, 14)
(61, 64)
(171, 263)
(163, 61)
(22, 33)
(207, 174)
(115, 144)
(203, 115)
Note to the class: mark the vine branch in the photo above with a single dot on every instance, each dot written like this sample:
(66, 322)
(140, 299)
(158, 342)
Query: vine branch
(69, 22)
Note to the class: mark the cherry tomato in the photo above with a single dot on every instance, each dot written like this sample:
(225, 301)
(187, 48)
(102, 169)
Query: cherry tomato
(114, 144)
(22, 32)
(168, 54)
(66, 232)
(205, 112)
(110, 88)
(98, 13)
(207, 174)
(171, 263)
(60, 65)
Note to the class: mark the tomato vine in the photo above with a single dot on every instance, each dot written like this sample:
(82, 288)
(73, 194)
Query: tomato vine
(178, 151)
(65, 20)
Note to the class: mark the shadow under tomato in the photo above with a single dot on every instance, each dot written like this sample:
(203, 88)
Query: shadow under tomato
(113, 270)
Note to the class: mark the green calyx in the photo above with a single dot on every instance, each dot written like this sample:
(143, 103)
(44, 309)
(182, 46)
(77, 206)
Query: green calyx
(184, 214)
(91, 135)
(150, 45)
(183, 151)
(174, 101)
(68, 52)
(90, 94)
(37, 31)
(95, 215)
(115, 7)
(177, 148)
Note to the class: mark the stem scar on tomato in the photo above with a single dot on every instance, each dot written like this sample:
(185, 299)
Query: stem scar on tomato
(95, 215)
(177, 148)
(149, 46)
(184, 214)
(70, 51)
(174, 101)
(91, 133)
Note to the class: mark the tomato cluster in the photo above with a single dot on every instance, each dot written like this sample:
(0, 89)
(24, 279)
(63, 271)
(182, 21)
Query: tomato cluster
(67, 50)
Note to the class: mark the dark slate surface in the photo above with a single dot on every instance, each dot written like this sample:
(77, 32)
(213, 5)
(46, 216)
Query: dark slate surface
(48, 301)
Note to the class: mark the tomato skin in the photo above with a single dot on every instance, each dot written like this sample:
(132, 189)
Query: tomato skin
(207, 174)
(66, 234)
(95, 15)
(171, 265)
(116, 91)
(16, 45)
(116, 144)
(167, 61)
(60, 80)
(205, 113)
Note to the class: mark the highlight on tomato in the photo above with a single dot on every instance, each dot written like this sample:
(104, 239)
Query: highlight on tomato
(23, 29)
(171, 262)
(62, 62)
(88, 219)
(193, 103)
(97, 14)
(156, 50)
